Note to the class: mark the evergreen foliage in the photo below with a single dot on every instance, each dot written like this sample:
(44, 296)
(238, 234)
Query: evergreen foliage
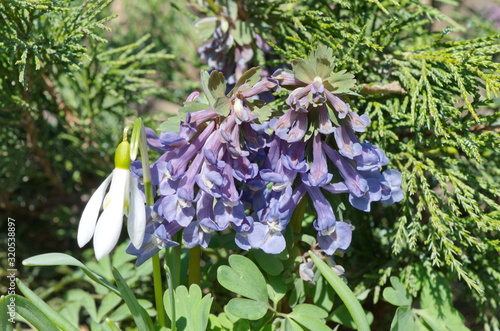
(63, 94)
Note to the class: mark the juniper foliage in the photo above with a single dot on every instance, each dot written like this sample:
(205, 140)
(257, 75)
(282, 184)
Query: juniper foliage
(63, 92)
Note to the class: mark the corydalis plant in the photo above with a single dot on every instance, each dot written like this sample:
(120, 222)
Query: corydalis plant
(235, 162)
(230, 40)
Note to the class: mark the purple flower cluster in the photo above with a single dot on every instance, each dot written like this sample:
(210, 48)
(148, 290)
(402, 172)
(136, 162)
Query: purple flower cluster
(225, 168)
(231, 42)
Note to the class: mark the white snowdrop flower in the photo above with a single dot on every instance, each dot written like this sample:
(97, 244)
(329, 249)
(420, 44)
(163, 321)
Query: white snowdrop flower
(123, 198)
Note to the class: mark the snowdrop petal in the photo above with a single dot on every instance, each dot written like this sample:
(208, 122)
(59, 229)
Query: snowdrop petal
(136, 223)
(90, 213)
(109, 224)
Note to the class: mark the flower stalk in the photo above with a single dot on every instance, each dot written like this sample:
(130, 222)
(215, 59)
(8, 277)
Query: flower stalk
(139, 142)
(194, 265)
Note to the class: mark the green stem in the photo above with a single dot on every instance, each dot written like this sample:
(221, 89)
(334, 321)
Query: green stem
(298, 215)
(173, 261)
(172, 298)
(148, 189)
(139, 142)
(194, 265)
(158, 288)
(157, 280)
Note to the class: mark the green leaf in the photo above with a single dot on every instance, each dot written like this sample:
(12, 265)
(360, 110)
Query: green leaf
(343, 292)
(30, 312)
(141, 317)
(242, 33)
(205, 27)
(225, 321)
(323, 61)
(309, 310)
(246, 308)
(342, 316)
(84, 299)
(403, 320)
(243, 277)
(172, 124)
(191, 309)
(310, 316)
(397, 294)
(109, 302)
(323, 294)
(217, 84)
(222, 106)
(214, 86)
(135, 138)
(340, 82)
(298, 294)
(431, 320)
(250, 77)
(276, 288)
(5, 301)
(44, 308)
(204, 79)
(271, 264)
(214, 323)
(193, 107)
(51, 259)
(291, 325)
(71, 311)
(436, 298)
(303, 70)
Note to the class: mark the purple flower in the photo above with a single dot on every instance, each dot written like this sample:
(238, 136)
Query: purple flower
(242, 231)
(171, 166)
(391, 187)
(274, 170)
(226, 211)
(194, 120)
(156, 237)
(153, 140)
(230, 134)
(374, 193)
(222, 170)
(199, 232)
(175, 208)
(306, 271)
(210, 180)
(291, 126)
(356, 183)
(359, 123)
(347, 142)
(326, 217)
(268, 236)
(318, 175)
(298, 100)
(317, 91)
(335, 237)
(292, 157)
(338, 104)
(325, 123)
(172, 140)
(371, 158)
